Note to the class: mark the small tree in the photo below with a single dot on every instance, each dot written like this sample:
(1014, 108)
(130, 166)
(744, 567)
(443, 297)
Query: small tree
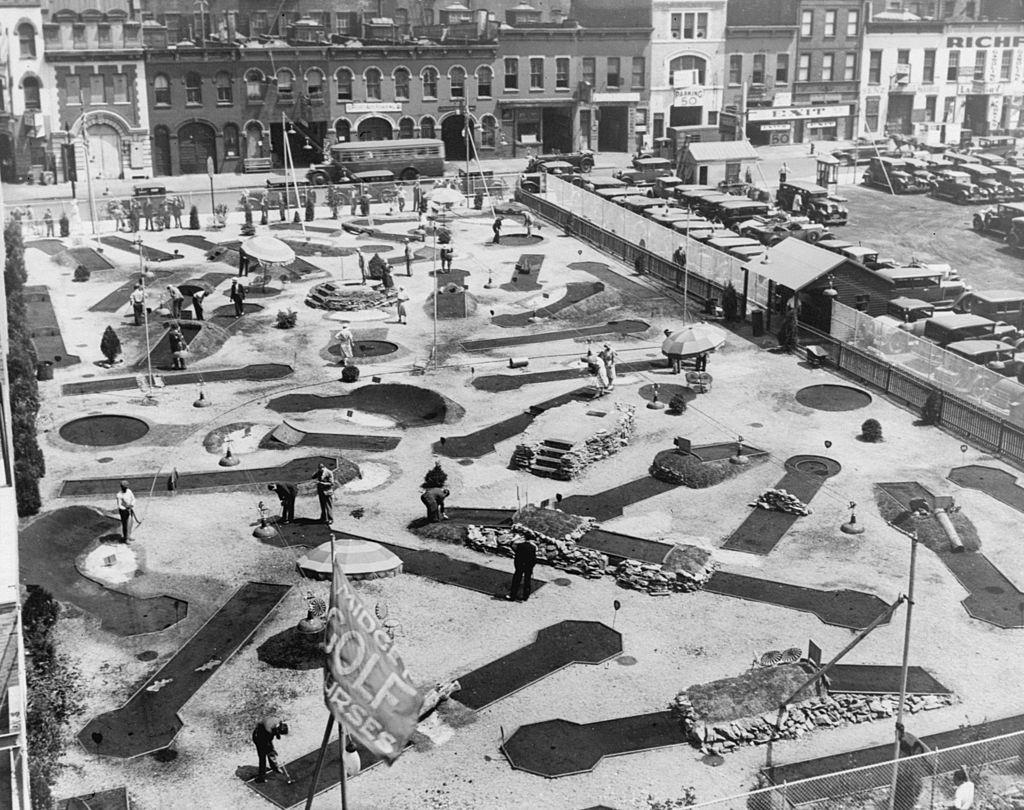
(82, 273)
(931, 413)
(871, 431)
(435, 477)
(110, 345)
(730, 303)
(297, 219)
(287, 318)
(193, 219)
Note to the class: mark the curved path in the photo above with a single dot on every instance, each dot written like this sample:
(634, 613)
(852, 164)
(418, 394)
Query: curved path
(620, 328)
(257, 372)
(575, 291)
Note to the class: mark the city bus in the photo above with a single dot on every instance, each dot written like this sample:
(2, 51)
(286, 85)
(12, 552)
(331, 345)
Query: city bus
(409, 159)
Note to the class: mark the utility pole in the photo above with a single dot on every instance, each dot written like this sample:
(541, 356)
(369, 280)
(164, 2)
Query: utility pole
(903, 673)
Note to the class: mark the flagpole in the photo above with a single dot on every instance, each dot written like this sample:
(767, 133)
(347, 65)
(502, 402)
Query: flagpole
(341, 764)
(311, 794)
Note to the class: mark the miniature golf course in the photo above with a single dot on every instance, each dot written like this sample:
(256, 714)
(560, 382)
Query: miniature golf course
(103, 430)
(992, 597)
(612, 502)
(292, 434)
(226, 314)
(833, 397)
(44, 328)
(51, 247)
(258, 372)
(365, 349)
(406, 405)
(496, 383)
(868, 679)
(160, 355)
(90, 258)
(603, 273)
(149, 720)
(48, 548)
(617, 328)
(526, 273)
(150, 254)
(113, 301)
(1000, 484)
(764, 528)
(575, 291)
(517, 240)
(155, 483)
(113, 799)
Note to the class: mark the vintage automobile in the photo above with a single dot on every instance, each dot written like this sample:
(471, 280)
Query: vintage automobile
(582, 160)
(985, 178)
(645, 171)
(770, 231)
(997, 305)
(866, 256)
(993, 354)
(863, 150)
(599, 183)
(920, 171)
(813, 202)
(956, 186)
(1013, 178)
(997, 144)
(533, 182)
(664, 186)
(892, 174)
(989, 159)
(738, 209)
(1015, 238)
(998, 220)
(909, 310)
(949, 327)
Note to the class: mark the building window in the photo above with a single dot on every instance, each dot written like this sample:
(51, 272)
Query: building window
(254, 85)
(875, 67)
(953, 66)
(929, 107)
(980, 65)
(677, 26)
(484, 82)
(929, 66)
(828, 61)
(1006, 66)
(96, 89)
(871, 107)
(694, 66)
(230, 140)
(658, 123)
(806, 22)
(852, 23)
(402, 85)
(589, 69)
(757, 72)
(27, 40)
(343, 23)
(373, 79)
(161, 91)
(613, 77)
(850, 67)
(342, 130)
(903, 58)
(193, 88)
(344, 79)
(511, 74)
(30, 88)
(120, 88)
(735, 69)
(315, 84)
(285, 84)
(103, 36)
(488, 132)
(712, 118)
(732, 172)
(427, 127)
(406, 126)
(258, 23)
(639, 73)
(72, 90)
(429, 77)
(830, 24)
(803, 68)
(222, 81)
(782, 68)
(695, 25)
(562, 73)
(457, 82)
(537, 73)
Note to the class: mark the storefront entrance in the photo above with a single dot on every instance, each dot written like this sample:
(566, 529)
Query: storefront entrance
(976, 114)
(613, 128)
(556, 125)
(453, 133)
(104, 152)
(898, 120)
(196, 142)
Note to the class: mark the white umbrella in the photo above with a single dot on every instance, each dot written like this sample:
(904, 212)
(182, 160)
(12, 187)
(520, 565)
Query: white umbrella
(268, 250)
(444, 195)
(360, 559)
(696, 339)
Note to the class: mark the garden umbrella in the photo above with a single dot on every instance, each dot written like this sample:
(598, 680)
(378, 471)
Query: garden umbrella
(360, 559)
(268, 250)
(444, 195)
(696, 339)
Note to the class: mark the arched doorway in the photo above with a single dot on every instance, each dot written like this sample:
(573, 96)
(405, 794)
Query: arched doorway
(196, 142)
(104, 152)
(8, 169)
(161, 151)
(454, 136)
(375, 128)
(253, 143)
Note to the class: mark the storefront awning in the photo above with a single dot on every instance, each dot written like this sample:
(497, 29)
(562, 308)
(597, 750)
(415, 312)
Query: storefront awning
(560, 101)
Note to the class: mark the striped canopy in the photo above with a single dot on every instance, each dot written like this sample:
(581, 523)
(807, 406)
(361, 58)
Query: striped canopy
(360, 559)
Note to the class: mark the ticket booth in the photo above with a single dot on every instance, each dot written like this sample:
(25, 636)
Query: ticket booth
(828, 171)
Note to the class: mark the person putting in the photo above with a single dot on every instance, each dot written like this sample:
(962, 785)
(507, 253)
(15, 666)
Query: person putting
(263, 736)
(286, 493)
(524, 560)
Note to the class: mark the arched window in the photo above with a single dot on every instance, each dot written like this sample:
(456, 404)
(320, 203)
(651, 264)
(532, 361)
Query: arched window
(429, 76)
(687, 63)
(193, 88)
(230, 140)
(285, 83)
(315, 84)
(161, 90)
(344, 79)
(30, 86)
(484, 81)
(373, 77)
(343, 130)
(458, 82)
(406, 127)
(27, 40)
(488, 130)
(427, 127)
(255, 85)
(402, 84)
(223, 83)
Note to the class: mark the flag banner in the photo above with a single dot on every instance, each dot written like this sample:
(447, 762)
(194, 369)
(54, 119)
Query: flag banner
(366, 685)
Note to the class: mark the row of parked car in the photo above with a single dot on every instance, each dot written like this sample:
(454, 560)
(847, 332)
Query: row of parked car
(955, 176)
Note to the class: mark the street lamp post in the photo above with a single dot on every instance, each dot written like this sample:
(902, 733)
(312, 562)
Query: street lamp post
(145, 312)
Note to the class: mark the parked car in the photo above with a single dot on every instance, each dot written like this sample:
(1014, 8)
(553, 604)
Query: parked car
(665, 186)
(599, 183)
(997, 144)
(812, 201)
(866, 256)
(770, 232)
(582, 160)
(989, 159)
(707, 205)
(1015, 238)
(996, 305)
(993, 354)
(998, 220)
(956, 186)
(949, 327)
(698, 228)
(922, 282)
(638, 203)
(1013, 178)
(890, 174)
(863, 151)
(533, 182)
(909, 310)
(738, 209)
(985, 178)
(920, 171)
(654, 166)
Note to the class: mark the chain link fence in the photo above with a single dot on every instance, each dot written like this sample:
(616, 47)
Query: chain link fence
(925, 781)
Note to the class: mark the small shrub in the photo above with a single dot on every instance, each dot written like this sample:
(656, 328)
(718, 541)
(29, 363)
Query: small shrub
(678, 403)
(679, 468)
(435, 477)
(110, 345)
(287, 318)
(193, 219)
(297, 219)
(871, 431)
(350, 374)
(931, 413)
(248, 229)
(65, 225)
(730, 303)
(82, 273)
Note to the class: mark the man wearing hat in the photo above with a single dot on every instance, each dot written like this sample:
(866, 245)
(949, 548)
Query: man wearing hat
(286, 493)
(400, 300)
(125, 499)
(263, 736)
(325, 493)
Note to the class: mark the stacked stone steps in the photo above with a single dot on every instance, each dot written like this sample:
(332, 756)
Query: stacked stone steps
(548, 459)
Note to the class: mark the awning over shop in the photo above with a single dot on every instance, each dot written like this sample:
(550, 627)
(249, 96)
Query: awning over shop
(794, 263)
(560, 101)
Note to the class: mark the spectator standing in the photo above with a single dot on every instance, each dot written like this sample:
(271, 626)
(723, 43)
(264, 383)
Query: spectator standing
(48, 222)
(177, 301)
(523, 562)
(325, 493)
(138, 301)
(400, 300)
(407, 250)
(496, 229)
(125, 499)
(237, 296)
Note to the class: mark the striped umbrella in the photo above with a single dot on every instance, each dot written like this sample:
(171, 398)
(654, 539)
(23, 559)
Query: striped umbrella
(360, 559)
(696, 339)
(792, 655)
(771, 658)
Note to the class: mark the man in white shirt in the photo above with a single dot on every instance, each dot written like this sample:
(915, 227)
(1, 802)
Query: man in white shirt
(126, 510)
(138, 301)
(963, 799)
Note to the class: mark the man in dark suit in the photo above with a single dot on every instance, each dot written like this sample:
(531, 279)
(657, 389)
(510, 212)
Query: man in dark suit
(286, 493)
(524, 560)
